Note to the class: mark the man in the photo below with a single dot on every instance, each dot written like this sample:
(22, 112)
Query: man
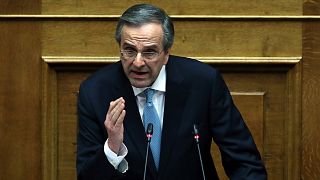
(113, 112)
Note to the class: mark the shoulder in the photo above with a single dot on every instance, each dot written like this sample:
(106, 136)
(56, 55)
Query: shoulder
(106, 75)
(191, 67)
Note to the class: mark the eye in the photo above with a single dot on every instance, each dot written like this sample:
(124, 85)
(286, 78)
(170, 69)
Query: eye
(150, 51)
(149, 55)
(129, 52)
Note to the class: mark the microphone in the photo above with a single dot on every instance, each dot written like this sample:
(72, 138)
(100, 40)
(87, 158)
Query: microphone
(149, 133)
(197, 137)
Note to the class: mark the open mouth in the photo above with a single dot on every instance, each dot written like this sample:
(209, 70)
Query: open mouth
(139, 74)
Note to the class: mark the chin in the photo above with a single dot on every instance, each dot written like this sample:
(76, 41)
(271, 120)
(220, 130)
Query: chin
(140, 84)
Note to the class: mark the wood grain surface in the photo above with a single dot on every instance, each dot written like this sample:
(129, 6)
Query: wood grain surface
(279, 101)
(310, 95)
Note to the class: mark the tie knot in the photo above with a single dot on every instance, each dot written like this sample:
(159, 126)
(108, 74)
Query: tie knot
(149, 94)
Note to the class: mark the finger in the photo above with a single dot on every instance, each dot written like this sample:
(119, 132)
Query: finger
(116, 107)
(121, 118)
(112, 106)
(117, 111)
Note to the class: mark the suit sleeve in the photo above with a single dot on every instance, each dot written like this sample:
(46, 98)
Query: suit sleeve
(92, 162)
(240, 157)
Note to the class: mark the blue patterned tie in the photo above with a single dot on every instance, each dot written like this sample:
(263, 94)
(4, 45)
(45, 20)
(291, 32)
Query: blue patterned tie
(150, 115)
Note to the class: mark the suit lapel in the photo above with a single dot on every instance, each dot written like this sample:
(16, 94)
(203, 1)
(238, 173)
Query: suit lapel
(175, 96)
(174, 105)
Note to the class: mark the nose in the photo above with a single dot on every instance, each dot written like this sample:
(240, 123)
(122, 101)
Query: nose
(138, 61)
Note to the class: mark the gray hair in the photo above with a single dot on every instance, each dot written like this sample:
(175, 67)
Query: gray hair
(141, 14)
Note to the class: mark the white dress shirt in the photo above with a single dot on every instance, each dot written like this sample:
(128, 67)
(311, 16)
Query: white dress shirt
(118, 160)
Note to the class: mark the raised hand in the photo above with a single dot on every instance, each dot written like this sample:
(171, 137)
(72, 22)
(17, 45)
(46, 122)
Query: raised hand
(114, 124)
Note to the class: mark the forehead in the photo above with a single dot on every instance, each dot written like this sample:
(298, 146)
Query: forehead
(146, 34)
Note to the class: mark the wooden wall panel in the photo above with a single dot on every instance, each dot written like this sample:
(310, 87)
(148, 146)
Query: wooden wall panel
(181, 7)
(20, 7)
(310, 95)
(67, 86)
(20, 136)
(193, 38)
(237, 38)
(59, 126)
(89, 38)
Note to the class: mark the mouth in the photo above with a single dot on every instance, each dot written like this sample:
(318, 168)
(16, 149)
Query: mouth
(139, 74)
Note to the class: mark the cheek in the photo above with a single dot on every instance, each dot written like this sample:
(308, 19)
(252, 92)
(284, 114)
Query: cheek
(125, 64)
(156, 69)
(125, 67)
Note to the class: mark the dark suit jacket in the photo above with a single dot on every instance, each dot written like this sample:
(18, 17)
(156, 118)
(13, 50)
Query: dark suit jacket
(195, 94)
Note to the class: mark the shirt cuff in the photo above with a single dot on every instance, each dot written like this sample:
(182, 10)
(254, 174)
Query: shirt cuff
(117, 160)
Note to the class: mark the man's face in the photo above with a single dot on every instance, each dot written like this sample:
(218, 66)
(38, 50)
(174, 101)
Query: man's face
(144, 40)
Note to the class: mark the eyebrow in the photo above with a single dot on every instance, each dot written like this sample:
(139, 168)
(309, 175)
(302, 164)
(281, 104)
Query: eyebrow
(153, 46)
(127, 44)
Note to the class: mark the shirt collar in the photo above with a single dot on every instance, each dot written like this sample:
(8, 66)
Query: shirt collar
(159, 84)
